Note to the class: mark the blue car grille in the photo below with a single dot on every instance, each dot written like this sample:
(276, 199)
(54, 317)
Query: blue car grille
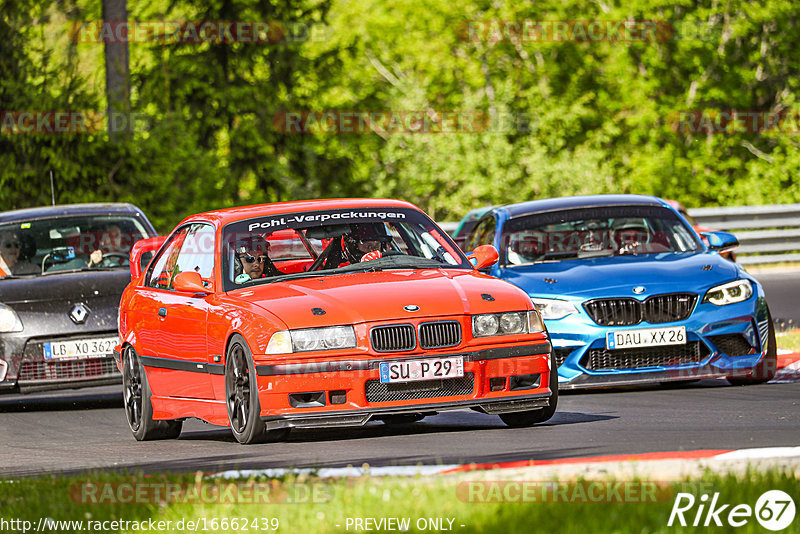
(560, 355)
(604, 359)
(629, 311)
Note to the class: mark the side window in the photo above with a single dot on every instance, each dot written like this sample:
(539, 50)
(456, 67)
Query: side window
(197, 251)
(483, 234)
(164, 266)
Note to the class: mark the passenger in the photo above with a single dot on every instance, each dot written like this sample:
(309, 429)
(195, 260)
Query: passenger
(13, 263)
(252, 254)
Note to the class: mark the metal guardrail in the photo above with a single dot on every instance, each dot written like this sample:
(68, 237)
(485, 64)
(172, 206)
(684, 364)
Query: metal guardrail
(448, 227)
(768, 234)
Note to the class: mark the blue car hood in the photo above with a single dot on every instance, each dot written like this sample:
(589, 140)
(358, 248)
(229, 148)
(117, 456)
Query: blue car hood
(618, 275)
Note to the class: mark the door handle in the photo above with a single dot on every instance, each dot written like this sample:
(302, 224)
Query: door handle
(162, 312)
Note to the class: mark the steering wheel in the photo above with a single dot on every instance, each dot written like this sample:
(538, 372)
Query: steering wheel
(110, 255)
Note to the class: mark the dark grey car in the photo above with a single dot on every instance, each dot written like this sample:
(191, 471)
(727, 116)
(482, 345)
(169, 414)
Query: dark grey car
(62, 272)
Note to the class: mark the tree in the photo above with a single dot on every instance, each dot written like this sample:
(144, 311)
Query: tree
(115, 12)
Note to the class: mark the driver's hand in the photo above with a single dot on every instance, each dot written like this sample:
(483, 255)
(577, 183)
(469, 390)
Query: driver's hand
(374, 255)
(95, 257)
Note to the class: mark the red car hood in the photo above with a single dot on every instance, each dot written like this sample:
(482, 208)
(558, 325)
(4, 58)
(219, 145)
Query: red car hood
(378, 296)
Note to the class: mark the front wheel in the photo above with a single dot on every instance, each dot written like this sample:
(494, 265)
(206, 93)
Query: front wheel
(241, 394)
(767, 367)
(138, 407)
(532, 417)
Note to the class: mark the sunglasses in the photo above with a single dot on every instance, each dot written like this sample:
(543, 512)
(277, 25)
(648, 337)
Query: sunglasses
(247, 258)
(14, 244)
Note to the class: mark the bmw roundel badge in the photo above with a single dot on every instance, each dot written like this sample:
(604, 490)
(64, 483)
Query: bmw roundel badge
(638, 290)
(411, 308)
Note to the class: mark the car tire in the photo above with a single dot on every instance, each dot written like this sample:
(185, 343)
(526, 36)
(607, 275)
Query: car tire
(241, 397)
(138, 407)
(532, 417)
(767, 367)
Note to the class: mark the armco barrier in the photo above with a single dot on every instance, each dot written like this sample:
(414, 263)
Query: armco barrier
(768, 234)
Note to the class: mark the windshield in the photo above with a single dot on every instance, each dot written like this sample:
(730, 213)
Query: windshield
(592, 232)
(328, 242)
(44, 246)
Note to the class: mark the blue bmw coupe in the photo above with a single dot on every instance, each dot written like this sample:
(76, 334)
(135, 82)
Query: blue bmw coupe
(630, 293)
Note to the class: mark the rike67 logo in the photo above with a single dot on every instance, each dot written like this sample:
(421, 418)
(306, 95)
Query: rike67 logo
(774, 510)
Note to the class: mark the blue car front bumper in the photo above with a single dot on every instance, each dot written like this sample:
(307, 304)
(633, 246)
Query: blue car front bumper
(720, 342)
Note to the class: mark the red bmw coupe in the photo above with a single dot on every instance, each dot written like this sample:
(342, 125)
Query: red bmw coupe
(323, 314)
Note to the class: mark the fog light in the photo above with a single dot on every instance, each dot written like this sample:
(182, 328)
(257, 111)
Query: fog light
(524, 382)
(307, 400)
(497, 383)
(338, 396)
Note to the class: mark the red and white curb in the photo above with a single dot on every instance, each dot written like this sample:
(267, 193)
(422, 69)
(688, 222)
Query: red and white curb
(704, 454)
(343, 472)
(788, 367)
(642, 459)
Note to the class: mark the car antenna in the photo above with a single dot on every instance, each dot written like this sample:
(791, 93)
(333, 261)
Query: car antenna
(52, 188)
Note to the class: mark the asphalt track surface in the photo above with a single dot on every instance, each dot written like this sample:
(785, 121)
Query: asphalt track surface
(77, 430)
(86, 430)
(783, 295)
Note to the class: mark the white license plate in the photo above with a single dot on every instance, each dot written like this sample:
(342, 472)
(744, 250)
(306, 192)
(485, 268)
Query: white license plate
(80, 348)
(646, 337)
(429, 369)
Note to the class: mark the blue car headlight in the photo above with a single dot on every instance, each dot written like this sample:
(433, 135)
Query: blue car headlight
(730, 293)
(503, 324)
(554, 308)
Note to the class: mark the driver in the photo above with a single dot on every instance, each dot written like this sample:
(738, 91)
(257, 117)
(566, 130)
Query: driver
(110, 240)
(365, 242)
(252, 255)
(630, 235)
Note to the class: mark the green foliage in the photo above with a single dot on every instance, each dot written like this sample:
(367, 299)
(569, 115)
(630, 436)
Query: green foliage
(566, 117)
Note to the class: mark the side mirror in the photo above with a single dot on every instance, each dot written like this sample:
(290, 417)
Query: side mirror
(189, 282)
(720, 241)
(483, 256)
(140, 248)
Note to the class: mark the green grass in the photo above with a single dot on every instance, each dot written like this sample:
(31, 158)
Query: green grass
(789, 340)
(312, 506)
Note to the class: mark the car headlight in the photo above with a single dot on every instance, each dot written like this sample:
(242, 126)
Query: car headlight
(730, 293)
(503, 324)
(9, 321)
(308, 339)
(552, 309)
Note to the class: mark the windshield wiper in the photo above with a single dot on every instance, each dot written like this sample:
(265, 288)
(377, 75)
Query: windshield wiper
(381, 264)
(400, 261)
(289, 276)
